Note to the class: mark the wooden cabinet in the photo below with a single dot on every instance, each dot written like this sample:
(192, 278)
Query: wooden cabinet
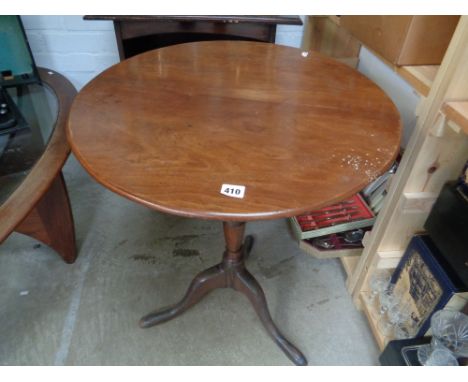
(138, 34)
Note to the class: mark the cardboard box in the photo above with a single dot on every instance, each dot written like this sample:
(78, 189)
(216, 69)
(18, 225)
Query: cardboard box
(323, 34)
(404, 40)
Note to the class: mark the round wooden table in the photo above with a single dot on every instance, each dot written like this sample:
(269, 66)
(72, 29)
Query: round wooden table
(180, 127)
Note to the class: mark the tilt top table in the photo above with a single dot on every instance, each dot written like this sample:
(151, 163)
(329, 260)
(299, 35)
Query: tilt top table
(234, 131)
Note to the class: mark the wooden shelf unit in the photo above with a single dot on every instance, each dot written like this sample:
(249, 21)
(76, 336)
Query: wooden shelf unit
(434, 155)
(420, 77)
(350, 263)
(457, 112)
(369, 311)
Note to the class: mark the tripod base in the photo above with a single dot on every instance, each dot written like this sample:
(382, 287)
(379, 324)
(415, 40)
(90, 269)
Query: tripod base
(230, 273)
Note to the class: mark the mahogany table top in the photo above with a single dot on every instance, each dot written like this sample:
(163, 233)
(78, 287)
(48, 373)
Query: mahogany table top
(169, 127)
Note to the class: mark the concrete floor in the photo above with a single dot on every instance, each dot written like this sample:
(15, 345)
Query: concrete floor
(132, 260)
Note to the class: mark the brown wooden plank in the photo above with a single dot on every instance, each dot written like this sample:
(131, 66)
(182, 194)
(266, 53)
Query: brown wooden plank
(287, 20)
(369, 313)
(349, 263)
(419, 77)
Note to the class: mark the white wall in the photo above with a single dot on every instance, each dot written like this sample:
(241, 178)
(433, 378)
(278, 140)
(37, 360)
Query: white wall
(402, 94)
(290, 35)
(82, 49)
(76, 48)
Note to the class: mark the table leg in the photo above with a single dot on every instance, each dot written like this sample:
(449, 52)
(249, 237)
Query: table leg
(51, 221)
(230, 273)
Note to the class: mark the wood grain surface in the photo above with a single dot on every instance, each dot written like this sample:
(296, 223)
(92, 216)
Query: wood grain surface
(51, 221)
(168, 127)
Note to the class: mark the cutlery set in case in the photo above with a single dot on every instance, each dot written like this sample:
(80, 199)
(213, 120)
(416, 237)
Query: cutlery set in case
(338, 230)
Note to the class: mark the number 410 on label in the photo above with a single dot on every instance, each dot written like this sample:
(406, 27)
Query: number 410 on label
(233, 190)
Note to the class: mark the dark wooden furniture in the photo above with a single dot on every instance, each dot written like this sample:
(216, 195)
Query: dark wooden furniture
(35, 199)
(138, 34)
(169, 127)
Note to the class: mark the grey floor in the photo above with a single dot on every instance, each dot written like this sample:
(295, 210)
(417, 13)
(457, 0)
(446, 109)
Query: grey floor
(132, 260)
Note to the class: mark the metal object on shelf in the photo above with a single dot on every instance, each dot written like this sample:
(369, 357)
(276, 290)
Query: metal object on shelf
(353, 236)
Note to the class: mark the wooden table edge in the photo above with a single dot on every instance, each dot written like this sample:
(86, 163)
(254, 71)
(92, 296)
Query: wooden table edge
(284, 20)
(239, 217)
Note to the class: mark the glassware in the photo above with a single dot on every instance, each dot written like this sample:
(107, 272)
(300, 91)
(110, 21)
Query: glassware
(401, 332)
(378, 283)
(386, 300)
(441, 356)
(450, 331)
(403, 321)
(393, 319)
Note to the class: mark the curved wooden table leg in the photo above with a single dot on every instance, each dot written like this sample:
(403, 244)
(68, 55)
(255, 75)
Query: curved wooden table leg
(201, 285)
(249, 286)
(51, 221)
(230, 273)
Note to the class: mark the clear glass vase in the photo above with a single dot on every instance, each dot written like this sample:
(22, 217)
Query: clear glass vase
(438, 356)
(449, 331)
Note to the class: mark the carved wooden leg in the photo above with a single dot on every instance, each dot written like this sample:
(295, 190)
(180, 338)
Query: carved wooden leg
(201, 285)
(250, 287)
(51, 221)
(230, 273)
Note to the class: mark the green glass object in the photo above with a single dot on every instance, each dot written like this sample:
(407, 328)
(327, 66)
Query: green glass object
(16, 61)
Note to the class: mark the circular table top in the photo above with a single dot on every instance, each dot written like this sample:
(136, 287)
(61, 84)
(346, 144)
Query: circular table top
(169, 127)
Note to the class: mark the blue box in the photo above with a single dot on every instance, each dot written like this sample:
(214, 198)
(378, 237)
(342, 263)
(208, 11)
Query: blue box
(428, 284)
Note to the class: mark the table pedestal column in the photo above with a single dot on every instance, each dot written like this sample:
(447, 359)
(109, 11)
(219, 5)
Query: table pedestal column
(230, 273)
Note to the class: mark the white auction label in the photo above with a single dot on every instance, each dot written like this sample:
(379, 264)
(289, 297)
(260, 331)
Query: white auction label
(233, 190)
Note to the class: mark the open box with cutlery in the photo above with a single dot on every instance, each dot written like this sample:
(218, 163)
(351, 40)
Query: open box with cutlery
(350, 214)
(348, 243)
(336, 230)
